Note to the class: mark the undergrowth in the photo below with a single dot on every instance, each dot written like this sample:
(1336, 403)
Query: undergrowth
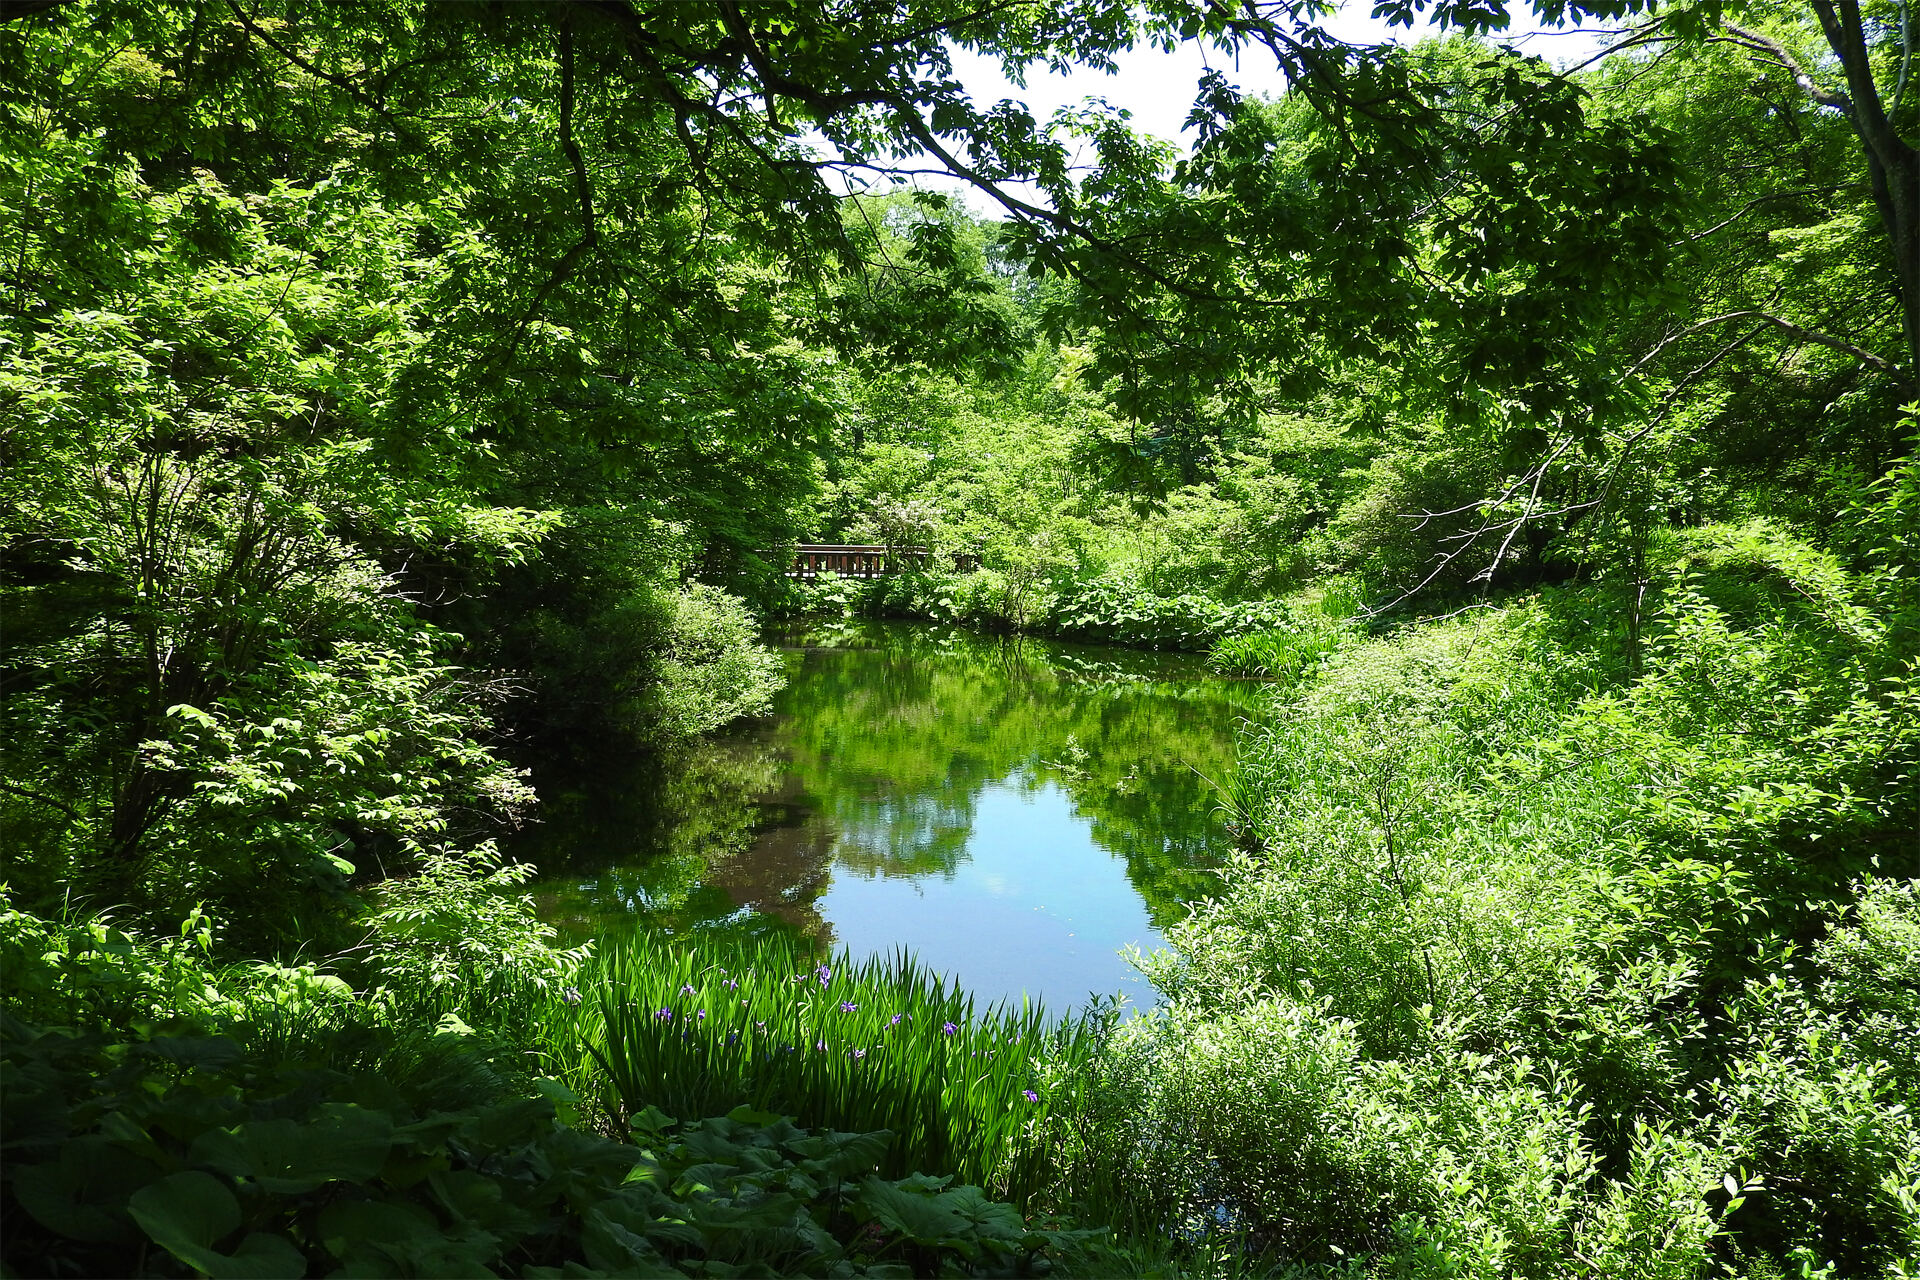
(880, 1043)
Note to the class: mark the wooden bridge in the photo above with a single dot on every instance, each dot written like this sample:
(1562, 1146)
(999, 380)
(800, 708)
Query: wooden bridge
(867, 560)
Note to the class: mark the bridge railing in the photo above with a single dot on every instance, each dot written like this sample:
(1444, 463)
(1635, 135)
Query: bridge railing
(867, 560)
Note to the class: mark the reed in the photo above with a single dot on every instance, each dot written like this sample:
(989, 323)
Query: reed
(698, 1028)
(1284, 654)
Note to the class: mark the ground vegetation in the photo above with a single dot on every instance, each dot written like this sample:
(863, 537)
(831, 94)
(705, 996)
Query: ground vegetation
(389, 391)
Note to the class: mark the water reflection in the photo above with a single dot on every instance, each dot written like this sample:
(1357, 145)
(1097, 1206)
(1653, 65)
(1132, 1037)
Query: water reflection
(1014, 812)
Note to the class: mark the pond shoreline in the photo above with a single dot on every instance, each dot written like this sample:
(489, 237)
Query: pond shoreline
(1015, 811)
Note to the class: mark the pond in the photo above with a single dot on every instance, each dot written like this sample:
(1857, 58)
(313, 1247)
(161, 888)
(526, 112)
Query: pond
(1015, 812)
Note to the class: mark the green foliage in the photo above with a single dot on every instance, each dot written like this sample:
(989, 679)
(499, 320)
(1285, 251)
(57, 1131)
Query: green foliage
(260, 1120)
(1291, 653)
(1817, 1094)
(86, 972)
(455, 938)
(1270, 1122)
(1121, 610)
(1112, 610)
(274, 414)
(219, 688)
(711, 669)
(361, 366)
(139, 1156)
(1492, 840)
(875, 1044)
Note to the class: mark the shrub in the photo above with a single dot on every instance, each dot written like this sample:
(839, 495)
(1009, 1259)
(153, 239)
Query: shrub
(712, 669)
(1818, 1097)
(1271, 1124)
(455, 938)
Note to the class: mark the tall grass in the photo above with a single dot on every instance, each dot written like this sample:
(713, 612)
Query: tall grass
(698, 1029)
(1285, 654)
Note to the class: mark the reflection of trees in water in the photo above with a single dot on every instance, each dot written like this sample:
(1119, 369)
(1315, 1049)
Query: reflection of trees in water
(906, 835)
(875, 765)
(636, 835)
(1145, 795)
(783, 875)
(898, 742)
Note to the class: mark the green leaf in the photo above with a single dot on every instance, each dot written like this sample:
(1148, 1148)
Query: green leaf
(614, 1236)
(346, 1222)
(81, 1195)
(184, 1213)
(261, 1256)
(386, 1245)
(343, 1143)
(920, 1217)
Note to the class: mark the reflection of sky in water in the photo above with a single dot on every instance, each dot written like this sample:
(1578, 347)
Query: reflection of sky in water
(1034, 905)
(900, 796)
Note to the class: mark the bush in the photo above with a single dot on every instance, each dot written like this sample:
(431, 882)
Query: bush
(1819, 1096)
(456, 939)
(712, 670)
(86, 972)
(1496, 840)
(1271, 1124)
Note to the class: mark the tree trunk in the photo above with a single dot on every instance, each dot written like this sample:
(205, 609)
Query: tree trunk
(1892, 165)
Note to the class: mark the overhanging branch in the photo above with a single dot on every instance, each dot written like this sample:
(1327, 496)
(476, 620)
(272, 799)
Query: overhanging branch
(583, 191)
(1868, 358)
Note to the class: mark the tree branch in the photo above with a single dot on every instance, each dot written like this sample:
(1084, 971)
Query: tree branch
(1778, 52)
(1867, 358)
(583, 191)
(47, 800)
(339, 82)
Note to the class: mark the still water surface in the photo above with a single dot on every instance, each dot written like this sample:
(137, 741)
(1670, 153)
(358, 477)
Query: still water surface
(1015, 812)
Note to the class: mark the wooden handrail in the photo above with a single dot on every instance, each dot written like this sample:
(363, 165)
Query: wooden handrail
(865, 559)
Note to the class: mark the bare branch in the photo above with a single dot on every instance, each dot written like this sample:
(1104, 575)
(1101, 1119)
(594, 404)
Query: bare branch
(1756, 202)
(1778, 52)
(42, 798)
(1867, 358)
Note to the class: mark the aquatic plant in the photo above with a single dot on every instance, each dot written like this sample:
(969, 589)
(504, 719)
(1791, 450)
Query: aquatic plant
(699, 1027)
(1286, 653)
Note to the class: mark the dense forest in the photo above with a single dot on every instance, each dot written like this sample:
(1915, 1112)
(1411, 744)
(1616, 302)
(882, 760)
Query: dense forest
(391, 389)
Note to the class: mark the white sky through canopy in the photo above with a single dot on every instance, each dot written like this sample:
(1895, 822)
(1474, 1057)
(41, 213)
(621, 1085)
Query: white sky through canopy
(1158, 88)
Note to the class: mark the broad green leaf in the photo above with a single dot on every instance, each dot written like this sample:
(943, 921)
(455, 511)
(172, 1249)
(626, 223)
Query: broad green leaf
(342, 1143)
(920, 1217)
(82, 1194)
(184, 1213)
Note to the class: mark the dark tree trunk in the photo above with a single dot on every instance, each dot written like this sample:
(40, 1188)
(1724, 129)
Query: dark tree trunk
(1892, 164)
